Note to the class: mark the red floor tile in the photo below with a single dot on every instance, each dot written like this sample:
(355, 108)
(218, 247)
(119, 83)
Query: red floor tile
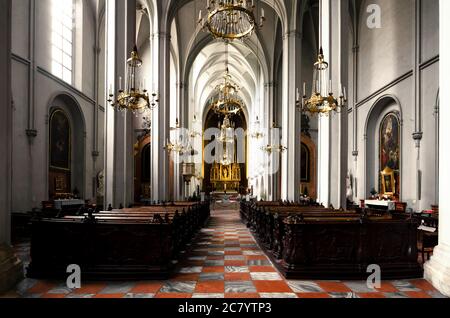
(371, 295)
(235, 263)
(334, 287)
(313, 295)
(90, 288)
(173, 295)
(256, 257)
(263, 286)
(49, 296)
(109, 296)
(387, 287)
(418, 294)
(233, 252)
(423, 284)
(210, 287)
(215, 258)
(41, 287)
(214, 269)
(237, 296)
(146, 288)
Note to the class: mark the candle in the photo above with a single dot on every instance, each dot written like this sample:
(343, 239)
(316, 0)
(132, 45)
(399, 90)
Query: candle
(345, 94)
(120, 82)
(331, 86)
(200, 15)
(262, 12)
(304, 88)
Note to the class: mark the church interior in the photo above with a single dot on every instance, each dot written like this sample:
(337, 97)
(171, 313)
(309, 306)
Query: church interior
(224, 149)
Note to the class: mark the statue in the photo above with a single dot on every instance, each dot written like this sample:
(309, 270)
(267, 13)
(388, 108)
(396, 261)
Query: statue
(349, 191)
(100, 184)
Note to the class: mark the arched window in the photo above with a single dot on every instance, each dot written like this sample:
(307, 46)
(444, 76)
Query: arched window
(305, 164)
(145, 164)
(63, 19)
(389, 152)
(60, 153)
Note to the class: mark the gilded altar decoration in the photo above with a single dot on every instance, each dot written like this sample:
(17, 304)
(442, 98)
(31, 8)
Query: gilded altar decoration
(226, 177)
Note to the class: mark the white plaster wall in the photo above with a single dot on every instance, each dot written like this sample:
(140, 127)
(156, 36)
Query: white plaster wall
(387, 54)
(30, 156)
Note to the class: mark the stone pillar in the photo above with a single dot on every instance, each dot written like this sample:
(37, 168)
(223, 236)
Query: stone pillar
(437, 270)
(11, 270)
(291, 119)
(323, 179)
(161, 116)
(265, 125)
(124, 132)
(119, 161)
(338, 59)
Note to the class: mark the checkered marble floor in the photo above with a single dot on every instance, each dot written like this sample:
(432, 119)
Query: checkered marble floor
(224, 261)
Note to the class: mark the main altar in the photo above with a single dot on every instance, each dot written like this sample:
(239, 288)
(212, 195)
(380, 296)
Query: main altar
(225, 177)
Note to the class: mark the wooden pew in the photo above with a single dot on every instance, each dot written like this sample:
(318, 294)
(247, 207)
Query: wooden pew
(277, 228)
(120, 244)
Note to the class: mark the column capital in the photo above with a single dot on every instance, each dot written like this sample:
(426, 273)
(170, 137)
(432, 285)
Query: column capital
(181, 85)
(270, 84)
(355, 49)
(293, 34)
(160, 35)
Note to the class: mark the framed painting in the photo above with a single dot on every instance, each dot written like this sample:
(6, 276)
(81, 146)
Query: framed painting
(388, 182)
(60, 141)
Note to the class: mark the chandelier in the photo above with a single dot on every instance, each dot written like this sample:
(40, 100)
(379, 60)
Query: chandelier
(227, 102)
(226, 137)
(322, 100)
(230, 19)
(257, 133)
(176, 145)
(274, 148)
(134, 97)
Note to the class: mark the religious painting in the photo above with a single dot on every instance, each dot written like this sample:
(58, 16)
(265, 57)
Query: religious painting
(60, 143)
(390, 154)
(388, 182)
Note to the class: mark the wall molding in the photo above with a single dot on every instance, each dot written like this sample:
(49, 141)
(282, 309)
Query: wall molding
(398, 80)
(385, 88)
(429, 62)
(20, 59)
(49, 75)
(65, 85)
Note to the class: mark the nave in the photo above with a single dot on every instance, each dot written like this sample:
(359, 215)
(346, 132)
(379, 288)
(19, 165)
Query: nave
(224, 260)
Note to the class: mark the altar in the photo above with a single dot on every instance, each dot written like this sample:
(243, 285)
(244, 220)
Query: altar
(226, 178)
(381, 205)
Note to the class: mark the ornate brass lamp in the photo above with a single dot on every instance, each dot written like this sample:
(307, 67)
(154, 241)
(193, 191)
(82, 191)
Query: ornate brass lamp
(227, 102)
(322, 101)
(257, 133)
(134, 97)
(230, 19)
(272, 148)
(177, 145)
